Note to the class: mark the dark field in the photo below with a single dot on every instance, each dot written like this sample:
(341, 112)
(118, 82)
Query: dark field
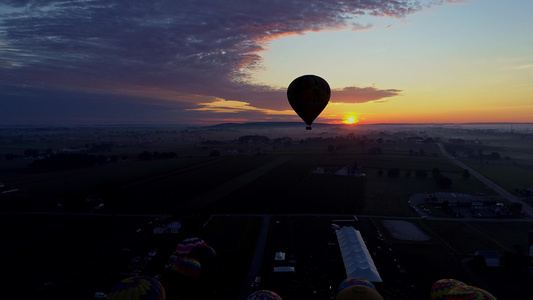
(226, 199)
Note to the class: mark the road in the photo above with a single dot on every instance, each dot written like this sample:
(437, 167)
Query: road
(498, 189)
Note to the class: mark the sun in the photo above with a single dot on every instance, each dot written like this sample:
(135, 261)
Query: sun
(350, 120)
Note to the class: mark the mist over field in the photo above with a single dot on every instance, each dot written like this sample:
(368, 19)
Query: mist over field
(90, 199)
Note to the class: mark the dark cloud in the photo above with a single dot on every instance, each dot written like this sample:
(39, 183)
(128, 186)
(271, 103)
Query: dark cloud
(200, 47)
(362, 95)
(36, 106)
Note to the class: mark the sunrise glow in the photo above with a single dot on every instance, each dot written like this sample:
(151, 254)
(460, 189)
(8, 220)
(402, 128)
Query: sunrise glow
(350, 120)
(391, 62)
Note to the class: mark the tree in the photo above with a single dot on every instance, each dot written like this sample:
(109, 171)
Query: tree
(444, 182)
(479, 263)
(494, 156)
(31, 153)
(380, 173)
(146, 155)
(421, 174)
(516, 209)
(393, 173)
(466, 174)
(436, 173)
(375, 151)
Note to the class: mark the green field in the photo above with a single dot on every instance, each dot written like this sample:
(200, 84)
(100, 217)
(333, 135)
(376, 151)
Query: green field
(281, 181)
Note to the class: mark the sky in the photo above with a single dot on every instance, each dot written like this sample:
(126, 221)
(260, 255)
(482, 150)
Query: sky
(205, 62)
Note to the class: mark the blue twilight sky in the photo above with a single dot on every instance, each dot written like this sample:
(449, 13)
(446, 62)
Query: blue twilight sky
(213, 61)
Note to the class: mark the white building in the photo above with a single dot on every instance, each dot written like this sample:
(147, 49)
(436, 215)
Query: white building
(357, 259)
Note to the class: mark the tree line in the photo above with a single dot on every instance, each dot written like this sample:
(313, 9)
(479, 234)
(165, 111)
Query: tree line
(66, 161)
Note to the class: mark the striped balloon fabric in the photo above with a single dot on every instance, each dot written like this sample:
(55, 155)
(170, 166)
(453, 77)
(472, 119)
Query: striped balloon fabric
(186, 267)
(137, 288)
(443, 286)
(355, 281)
(264, 295)
(468, 293)
(185, 246)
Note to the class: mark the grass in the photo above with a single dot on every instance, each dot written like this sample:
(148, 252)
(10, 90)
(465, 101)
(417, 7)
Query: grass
(469, 237)
(507, 176)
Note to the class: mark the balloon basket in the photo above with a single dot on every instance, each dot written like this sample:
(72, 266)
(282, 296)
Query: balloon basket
(308, 128)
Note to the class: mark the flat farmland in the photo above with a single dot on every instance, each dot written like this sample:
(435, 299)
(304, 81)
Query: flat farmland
(83, 253)
(170, 192)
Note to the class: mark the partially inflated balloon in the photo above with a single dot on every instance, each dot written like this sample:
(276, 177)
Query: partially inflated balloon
(443, 286)
(468, 292)
(264, 295)
(206, 255)
(185, 246)
(358, 292)
(137, 288)
(355, 281)
(186, 269)
(308, 95)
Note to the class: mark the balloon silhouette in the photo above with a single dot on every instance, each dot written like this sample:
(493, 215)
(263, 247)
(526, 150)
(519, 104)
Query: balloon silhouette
(308, 95)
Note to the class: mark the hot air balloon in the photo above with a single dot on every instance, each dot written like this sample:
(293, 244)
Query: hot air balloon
(467, 292)
(186, 269)
(185, 246)
(308, 95)
(443, 286)
(355, 281)
(204, 254)
(263, 295)
(358, 292)
(137, 288)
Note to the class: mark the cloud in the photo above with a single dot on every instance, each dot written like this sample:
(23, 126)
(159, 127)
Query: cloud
(182, 49)
(362, 95)
(359, 27)
(457, 1)
(232, 106)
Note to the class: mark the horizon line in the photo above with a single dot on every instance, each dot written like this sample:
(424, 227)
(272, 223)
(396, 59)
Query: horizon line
(254, 122)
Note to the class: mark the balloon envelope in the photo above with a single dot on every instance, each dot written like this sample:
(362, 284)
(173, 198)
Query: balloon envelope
(185, 246)
(355, 281)
(204, 254)
(308, 95)
(468, 292)
(186, 269)
(441, 287)
(263, 295)
(358, 292)
(137, 288)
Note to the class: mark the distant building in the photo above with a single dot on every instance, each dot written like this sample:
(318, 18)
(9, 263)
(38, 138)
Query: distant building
(279, 256)
(357, 259)
(170, 228)
(284, 270)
